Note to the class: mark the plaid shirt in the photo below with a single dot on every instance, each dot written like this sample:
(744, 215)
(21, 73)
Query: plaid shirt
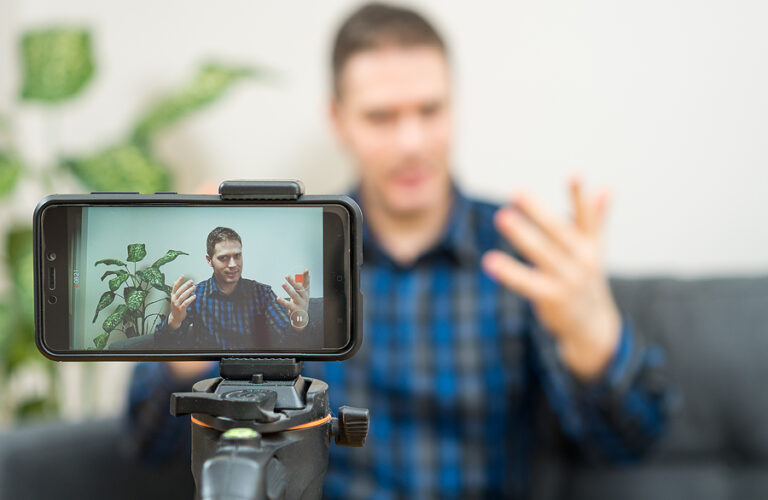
(248, 317)
(452, 367)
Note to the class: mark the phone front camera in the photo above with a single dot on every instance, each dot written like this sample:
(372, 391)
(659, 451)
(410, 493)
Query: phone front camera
(51, 256)
(52, 299)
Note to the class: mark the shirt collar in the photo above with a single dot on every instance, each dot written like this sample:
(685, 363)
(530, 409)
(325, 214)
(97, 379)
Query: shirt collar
(215, 290)
(457, 240)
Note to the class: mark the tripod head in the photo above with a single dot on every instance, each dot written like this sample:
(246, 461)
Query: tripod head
(262, 431)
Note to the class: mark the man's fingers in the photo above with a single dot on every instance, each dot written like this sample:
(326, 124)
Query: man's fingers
(580, 209)
(184, 291)
(561, 232)
(291, 292)
(184, 286)
(513, 274)
(306, 281)
(532, 243)
(189, 301)
(284, 302)
(177, 284)
(601, 208)
(299, 288)
(589, 213)
(293, 283)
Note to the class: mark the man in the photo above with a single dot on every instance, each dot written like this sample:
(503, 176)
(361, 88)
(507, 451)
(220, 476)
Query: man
(228, 311)
(473, 313)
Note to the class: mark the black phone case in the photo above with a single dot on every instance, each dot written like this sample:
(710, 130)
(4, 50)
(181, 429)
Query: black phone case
(232, 193)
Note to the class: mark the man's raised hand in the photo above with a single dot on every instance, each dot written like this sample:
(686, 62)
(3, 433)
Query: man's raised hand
(566, 285)
(182, 297)
(298, 293)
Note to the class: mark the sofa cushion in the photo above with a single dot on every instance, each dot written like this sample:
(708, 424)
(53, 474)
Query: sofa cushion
(715, 334)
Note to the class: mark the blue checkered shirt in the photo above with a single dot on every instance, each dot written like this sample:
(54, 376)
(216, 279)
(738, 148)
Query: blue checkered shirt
(248, 317)
(452, 369)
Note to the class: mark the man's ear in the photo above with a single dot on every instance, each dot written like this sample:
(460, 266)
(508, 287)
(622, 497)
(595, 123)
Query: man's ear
(208, 258)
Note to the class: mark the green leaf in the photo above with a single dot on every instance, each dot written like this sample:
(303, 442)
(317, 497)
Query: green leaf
(31, 407)
(101, 341)
(114, 319)
(129, 314)
(118, 281)
(109, 273)
(125, 167)
(7, 319)
(168, 257)
(7, 331)
(135, 299)
(10, 168)
(109, 262)
(20, 264)
(211, 82)
(17, 336)
(136, 252)
(105, 300)
(57, 63)
(153, 276)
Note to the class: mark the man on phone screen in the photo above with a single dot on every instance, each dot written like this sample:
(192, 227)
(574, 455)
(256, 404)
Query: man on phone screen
(474, 313)
(227, 311)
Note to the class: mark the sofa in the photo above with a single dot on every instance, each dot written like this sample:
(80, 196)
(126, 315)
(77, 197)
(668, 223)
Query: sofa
(714, 331)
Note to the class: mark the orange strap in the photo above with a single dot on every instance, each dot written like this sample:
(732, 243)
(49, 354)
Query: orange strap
(314, 423)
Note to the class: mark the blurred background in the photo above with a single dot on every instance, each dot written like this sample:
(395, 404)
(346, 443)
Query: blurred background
(663, 100)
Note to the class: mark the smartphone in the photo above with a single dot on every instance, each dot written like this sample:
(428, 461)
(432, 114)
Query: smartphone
(169, 277)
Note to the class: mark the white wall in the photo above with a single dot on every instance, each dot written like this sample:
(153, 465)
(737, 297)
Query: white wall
(665, 101)
(662, 100)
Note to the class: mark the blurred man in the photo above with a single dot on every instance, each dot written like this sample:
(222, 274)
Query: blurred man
(473, 312)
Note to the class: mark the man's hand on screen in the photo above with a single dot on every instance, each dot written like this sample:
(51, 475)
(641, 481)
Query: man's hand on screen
(298, 305)
(182, 296)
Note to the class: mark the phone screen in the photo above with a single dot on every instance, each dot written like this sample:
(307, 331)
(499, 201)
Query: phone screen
(195, 279)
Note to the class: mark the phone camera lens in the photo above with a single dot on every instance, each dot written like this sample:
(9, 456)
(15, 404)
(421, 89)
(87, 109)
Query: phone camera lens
(51, 256)
(51, 299)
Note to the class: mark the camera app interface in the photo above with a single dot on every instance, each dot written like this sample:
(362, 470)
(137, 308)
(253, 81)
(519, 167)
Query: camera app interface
(197, 278)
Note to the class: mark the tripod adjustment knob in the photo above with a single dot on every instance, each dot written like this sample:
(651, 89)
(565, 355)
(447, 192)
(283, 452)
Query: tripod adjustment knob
(351, 427)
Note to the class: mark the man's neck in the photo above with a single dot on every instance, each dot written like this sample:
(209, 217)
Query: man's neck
(226, 288)
(404, 237)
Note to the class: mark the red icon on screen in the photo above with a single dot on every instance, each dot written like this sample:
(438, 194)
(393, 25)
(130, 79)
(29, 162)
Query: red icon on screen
(299, 278)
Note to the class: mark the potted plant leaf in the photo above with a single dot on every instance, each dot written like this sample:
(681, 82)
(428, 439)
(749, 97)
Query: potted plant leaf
(133, 287)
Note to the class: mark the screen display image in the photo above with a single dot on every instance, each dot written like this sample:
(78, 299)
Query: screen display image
(201, 279)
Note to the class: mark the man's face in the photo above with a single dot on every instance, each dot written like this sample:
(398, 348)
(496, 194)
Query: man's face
(394, 117)
(227, 261)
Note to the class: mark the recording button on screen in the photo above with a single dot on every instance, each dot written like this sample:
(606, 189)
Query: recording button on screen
(299, 319)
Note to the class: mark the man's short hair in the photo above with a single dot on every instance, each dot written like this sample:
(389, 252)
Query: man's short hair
(220, 234)
(377, 25)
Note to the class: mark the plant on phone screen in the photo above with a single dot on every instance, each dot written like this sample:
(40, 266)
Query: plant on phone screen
(134, 286)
